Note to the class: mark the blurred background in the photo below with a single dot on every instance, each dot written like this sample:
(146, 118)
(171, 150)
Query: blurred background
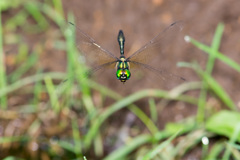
(42, 117)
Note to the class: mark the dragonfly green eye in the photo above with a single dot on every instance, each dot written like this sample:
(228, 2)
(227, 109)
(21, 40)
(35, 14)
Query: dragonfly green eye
(123, 74)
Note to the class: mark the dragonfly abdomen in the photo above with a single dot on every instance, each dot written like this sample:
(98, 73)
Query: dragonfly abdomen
(121, 40)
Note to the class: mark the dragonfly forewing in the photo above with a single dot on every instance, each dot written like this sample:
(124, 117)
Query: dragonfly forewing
(94, 54)
(158, 46)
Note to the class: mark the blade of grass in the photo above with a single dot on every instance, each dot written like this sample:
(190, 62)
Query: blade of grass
(28, 80)
(14, 139)
(35, 11)
(28, 64)
(133, 144)
(215, 46)
(76, 138)
(232, 140)
(52, 94)
(235, 150)
(205, 147)
(75, 65)
(153, 109)
(6, 4)
(124, 103)
(138, 141)
(66, 145)
(98, 145)
(133, 108)
(218, 90)
(23, 51)
(12, 158)
(34, 127)
(209, 67)
(37, 91)
(218, 54)
(188, 141)
(58, 7)
(17, 20)
(152, 153)
(57, 17)
(215, 150)
(3, 76)
(144, 118)
(235, 146)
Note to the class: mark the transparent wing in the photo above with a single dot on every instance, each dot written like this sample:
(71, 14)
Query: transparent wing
(158, 45)
(99, 67)
(94, 54)
(153, 56)
(162, 73)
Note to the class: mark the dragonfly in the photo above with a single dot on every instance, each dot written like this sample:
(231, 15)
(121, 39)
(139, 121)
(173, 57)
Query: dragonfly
(101, 59)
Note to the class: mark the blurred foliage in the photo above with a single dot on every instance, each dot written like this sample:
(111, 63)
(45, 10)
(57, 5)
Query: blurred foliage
(10, 4)
(58, 119)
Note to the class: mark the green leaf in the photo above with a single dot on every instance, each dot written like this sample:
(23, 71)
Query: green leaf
(224, 123)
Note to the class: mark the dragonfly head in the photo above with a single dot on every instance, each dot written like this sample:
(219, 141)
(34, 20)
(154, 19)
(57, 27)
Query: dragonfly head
(123, 74)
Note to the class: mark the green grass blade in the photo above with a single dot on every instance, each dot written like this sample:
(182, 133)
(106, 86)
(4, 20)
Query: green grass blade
(17, 20)
(58, 7)
(28, 80)
(210, 64)
(217, 36)
(23, 52)
(13, 158)
(213, 84)
(12, 139)
(219, 91)
(75, 67)
(76, 138)
(215, 46)
(35, 11)
(219, 55)
(133, 108)
(202, 103)
(27, 65)
(215, 150)
(237, 146)
(3, 76)
(235, 150)
(234, 138)
(57, 17)
(124, 103)
(152, 153)
(38, 88)
(153, 110)
(66, 145)
(98, 145)
(135, 143)
(144, 118)
(52, 94)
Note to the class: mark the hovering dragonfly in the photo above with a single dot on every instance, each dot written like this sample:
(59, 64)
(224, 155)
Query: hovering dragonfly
(99, 58)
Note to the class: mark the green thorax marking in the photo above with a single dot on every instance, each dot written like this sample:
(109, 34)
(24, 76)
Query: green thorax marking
(123, 67)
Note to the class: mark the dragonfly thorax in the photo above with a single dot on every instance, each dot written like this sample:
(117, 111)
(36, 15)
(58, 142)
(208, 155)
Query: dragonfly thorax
(123, 72)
